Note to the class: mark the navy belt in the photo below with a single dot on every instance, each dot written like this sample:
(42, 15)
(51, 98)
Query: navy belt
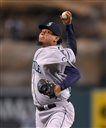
(46, 107)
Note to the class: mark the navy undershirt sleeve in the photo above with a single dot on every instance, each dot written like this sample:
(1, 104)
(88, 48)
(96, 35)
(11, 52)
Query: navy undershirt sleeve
(71, 38)
(73, 75)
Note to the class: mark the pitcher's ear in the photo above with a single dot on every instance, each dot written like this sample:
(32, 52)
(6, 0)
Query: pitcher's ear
(57, 38)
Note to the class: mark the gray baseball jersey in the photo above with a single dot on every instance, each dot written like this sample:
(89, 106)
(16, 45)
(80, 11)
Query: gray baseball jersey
(45, 58)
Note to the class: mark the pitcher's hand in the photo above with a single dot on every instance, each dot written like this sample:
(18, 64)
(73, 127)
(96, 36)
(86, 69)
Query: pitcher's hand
(66, 19)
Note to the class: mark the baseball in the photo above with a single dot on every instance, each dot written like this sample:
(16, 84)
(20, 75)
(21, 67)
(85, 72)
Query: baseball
(64, 15)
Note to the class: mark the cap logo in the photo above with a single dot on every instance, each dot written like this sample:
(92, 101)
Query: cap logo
(50, 23)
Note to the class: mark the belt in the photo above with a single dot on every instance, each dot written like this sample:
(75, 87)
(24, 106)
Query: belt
(46, 107)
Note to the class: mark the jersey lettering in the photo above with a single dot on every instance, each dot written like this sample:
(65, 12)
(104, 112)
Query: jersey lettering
(65, 55)
(36, 67)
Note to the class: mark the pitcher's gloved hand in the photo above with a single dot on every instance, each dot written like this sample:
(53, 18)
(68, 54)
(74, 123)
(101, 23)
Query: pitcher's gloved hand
(48, 88)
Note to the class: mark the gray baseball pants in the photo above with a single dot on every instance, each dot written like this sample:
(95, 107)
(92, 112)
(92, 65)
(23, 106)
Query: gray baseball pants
(61, 116)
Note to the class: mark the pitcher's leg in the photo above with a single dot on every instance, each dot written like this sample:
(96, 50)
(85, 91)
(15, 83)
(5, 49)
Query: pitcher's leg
(56, 120)
(38, 123)
(59, 120)
(62, 119)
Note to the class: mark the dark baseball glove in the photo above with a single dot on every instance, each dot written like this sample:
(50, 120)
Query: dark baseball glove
(47, 88)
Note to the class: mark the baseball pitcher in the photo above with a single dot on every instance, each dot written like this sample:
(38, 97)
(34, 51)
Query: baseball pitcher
(53, 73)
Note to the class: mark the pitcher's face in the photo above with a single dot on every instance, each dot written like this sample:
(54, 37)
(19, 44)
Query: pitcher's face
(46, 38)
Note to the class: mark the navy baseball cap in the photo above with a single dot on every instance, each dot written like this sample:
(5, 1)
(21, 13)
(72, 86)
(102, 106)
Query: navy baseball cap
(52, 26)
